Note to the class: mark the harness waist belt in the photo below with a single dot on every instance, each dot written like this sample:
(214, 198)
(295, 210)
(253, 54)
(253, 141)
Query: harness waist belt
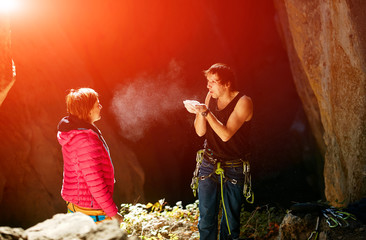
(96, 214)
(224, 163)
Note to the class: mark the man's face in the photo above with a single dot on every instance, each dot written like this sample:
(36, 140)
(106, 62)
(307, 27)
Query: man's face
(214, 86)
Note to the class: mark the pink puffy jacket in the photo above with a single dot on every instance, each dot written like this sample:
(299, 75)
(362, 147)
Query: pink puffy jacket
(88, 172)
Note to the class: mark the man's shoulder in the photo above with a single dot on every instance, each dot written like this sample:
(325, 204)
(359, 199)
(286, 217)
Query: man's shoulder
(245, 100)
(244, 104)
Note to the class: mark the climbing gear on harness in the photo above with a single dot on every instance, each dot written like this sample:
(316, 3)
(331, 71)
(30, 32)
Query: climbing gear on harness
(219, 171)
(247, 189)
(194, 183)
(315, 233)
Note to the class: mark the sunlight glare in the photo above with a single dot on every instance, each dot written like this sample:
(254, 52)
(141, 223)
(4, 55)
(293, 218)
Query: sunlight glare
(8, 6)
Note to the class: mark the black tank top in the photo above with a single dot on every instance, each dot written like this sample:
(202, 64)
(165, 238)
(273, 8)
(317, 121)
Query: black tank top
(238, 145)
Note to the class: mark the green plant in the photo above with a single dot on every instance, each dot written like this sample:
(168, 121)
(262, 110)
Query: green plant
(155, 222)
(262, 223)
(160, 221)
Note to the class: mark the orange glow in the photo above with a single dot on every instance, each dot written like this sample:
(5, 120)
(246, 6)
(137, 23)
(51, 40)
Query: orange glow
(8, 6)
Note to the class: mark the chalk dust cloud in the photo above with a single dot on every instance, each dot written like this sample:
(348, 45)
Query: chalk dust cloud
(147, 99)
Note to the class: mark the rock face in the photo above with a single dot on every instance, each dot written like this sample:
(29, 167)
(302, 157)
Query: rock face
(325, 41)
(6, 74)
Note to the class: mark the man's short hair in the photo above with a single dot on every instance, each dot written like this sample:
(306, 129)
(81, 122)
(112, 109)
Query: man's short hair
(225, 74)
(80, 102)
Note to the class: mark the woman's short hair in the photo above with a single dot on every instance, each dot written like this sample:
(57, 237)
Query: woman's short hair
(80, 102)
(224, 72)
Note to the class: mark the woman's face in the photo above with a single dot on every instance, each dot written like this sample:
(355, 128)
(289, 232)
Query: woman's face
(95, 112)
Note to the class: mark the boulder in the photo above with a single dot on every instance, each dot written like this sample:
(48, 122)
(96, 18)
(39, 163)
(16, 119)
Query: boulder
(67, 227)
(62, 226)
(325, 41)
(12, 233)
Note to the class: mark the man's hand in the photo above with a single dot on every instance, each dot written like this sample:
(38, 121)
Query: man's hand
(200, 108)
(190, 105)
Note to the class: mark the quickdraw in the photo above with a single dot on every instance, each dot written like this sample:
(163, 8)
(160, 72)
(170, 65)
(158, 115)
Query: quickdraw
(194, 183)
(334, 218)
(247, 189)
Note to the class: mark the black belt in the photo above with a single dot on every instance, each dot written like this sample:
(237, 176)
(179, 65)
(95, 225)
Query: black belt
(224, 163)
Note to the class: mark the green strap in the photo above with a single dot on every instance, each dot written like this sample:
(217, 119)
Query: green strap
(220, 171)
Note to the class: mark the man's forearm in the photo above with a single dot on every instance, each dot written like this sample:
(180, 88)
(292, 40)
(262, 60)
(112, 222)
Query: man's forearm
(218, 127)
(200, 125)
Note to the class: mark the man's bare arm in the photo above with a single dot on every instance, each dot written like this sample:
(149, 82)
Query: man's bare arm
(200, 121)
(242, 112)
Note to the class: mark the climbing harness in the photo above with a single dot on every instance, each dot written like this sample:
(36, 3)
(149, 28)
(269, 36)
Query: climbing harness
(247, 189)
(98, 215)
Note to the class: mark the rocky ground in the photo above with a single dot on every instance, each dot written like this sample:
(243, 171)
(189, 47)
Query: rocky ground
(159, 222)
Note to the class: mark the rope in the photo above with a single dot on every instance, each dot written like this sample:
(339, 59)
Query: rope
(220, 171)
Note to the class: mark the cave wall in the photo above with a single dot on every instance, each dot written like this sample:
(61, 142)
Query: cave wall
(325, 41)
(7, 72)
(31, 164)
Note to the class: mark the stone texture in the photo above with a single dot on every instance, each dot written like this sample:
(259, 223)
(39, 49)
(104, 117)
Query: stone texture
(75, 226)
(8, 233)
(6, 74)
(67, 227)
(294, 227)
(62, 226)
(324, 40)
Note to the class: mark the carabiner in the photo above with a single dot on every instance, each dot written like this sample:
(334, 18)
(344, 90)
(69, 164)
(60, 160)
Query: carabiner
(329, 220)
(315, 233)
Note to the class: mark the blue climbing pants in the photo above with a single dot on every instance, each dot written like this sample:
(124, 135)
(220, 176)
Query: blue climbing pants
(209, 195)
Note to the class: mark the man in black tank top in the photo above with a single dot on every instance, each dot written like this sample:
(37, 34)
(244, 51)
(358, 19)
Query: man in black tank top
(224, 120)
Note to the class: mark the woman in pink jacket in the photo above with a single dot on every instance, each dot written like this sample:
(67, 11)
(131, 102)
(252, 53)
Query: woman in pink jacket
(88, 170)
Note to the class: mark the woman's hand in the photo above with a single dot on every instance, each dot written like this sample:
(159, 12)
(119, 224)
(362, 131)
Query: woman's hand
(118, 217)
